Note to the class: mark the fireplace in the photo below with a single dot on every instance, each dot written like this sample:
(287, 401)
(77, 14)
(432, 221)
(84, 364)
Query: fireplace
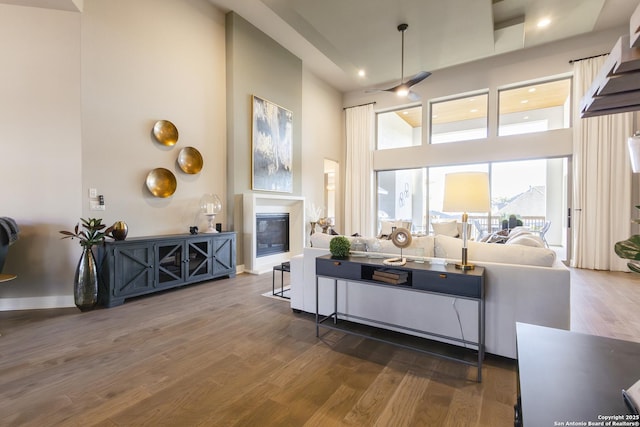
(272, 233)
(256, 205)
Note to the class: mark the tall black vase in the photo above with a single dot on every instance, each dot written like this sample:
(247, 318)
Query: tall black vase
(85, 285)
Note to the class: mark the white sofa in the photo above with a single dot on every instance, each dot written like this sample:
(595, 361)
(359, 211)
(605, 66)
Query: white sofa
(522, 284)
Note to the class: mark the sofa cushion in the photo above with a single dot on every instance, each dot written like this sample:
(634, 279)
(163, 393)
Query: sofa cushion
(451, 248)
(420, 245)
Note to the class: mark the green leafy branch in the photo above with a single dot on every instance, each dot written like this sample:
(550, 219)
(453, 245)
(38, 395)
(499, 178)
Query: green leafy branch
(91, 233)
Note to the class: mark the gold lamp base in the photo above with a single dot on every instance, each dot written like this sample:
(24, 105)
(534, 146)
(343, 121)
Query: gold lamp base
(464, 265)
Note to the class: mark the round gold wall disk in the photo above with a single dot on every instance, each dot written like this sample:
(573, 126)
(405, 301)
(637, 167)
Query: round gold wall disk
(165, 132)
(190, 160)
(161, 182)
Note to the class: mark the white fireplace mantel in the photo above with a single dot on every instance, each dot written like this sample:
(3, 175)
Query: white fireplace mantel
(256, 203)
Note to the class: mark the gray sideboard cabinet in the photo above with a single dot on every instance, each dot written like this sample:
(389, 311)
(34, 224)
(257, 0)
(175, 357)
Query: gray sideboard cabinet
(143, 265)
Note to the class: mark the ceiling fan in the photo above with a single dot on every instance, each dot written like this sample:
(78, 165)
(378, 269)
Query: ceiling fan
(404, 88)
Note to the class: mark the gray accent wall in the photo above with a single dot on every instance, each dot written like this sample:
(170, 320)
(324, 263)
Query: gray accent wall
(256, 65)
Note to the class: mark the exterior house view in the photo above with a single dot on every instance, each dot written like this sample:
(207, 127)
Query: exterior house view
(473, 154)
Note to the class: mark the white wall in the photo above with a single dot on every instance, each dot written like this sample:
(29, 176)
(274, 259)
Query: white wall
(80, 94)
(144, 61)
(40, 148)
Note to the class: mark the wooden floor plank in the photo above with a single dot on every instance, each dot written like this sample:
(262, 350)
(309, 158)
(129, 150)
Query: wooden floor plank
(220, 354)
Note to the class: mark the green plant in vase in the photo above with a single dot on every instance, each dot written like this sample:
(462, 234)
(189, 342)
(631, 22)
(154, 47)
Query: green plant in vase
(630, 249)
(339, 247)
(91, 233)
(85, 285)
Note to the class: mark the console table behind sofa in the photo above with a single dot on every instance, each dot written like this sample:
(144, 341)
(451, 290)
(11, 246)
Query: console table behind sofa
(514, 293)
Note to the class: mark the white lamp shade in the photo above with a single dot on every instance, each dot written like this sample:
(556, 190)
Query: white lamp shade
(634, 153)
(466, 192)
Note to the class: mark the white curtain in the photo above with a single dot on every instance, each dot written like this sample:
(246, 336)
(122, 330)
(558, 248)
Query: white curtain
(359, 203)
(602, 179)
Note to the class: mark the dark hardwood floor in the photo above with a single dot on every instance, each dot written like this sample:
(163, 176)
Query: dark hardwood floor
(220, 354)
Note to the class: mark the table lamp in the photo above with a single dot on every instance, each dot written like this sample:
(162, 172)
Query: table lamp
(466, 192)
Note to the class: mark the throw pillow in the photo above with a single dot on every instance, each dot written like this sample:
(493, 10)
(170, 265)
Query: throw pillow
(446, 228)
(469, 229)
(386, 228)
(519, 231)
(526, 240)
(320, 240)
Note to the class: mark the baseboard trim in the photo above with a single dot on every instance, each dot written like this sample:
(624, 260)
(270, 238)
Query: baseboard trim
(36, 303)
(56, 301)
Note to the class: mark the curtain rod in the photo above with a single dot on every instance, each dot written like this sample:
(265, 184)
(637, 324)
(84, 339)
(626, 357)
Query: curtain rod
(588, 57)
(361, 105)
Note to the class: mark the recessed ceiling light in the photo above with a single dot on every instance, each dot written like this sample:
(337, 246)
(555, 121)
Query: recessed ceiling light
(533, 89)
(544, 22)
(475, 110)
(435, 116)
(524, 101)
(362, 73)
(405, 112)
(526, 117)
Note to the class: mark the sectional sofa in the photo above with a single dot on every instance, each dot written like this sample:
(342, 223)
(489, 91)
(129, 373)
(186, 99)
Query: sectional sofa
(522, 284)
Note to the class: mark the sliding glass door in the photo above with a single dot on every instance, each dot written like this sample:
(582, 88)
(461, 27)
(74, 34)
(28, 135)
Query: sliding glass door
(531, 193)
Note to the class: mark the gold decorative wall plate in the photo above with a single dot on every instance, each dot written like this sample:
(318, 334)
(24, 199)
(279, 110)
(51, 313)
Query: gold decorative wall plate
(165, 132)
(161, 182)
(190, 160)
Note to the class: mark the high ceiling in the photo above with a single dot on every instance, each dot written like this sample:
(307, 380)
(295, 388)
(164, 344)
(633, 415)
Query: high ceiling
(336, 38)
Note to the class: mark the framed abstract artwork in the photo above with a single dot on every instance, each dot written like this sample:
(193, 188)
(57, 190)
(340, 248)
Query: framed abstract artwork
(272, 145)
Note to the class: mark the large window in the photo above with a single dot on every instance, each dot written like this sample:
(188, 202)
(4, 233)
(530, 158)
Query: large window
(401, 196)
(400, 128)
(459, 119)
(519, 190)
(535, 108)
(436, 194)
(530, 192)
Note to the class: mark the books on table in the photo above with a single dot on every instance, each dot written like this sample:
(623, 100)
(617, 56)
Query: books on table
(389, 275)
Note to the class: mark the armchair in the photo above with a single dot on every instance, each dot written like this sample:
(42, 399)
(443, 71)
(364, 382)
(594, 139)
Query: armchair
(8, 235)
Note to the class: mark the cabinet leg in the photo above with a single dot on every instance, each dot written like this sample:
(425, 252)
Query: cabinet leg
(114, 302)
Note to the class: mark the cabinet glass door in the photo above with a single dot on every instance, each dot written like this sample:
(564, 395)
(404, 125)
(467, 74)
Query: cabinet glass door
(199, 261)
(170, 263)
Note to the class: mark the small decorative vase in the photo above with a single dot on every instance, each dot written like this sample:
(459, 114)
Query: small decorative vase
(120, 230)
(85, 285)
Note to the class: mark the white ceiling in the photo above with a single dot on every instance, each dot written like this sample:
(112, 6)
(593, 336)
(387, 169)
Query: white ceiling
(336, 38)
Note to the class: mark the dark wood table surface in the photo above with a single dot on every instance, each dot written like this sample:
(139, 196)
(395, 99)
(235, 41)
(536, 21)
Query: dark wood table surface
(567, 377)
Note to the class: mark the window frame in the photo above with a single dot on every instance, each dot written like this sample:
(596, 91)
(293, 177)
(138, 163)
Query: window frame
(457, 97)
